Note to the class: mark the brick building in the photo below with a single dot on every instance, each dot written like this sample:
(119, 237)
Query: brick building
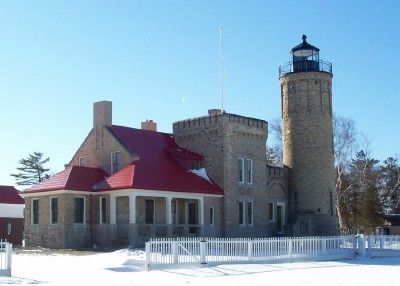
(208, 178)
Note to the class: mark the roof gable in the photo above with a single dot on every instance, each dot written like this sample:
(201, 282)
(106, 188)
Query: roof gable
(9, 195)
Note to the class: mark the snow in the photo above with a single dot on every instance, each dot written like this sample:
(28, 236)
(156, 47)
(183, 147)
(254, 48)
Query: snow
(201, 173)
(127, 267)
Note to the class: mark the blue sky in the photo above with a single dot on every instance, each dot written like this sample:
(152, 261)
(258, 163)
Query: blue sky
(160, 60)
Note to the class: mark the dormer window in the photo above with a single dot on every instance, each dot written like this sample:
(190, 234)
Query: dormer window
(115, 162)
(196, 165)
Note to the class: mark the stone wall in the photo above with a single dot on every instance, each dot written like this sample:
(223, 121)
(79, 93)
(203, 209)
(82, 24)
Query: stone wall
(308, 148)
(223, 139)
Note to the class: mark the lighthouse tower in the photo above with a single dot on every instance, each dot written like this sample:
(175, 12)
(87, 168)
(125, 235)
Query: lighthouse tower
(306, 106)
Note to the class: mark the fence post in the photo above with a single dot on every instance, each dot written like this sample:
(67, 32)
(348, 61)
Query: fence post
(369, 249)
(362, 251)
(8, 249)
(203, 250)
(174, 246)
(290, 248)
(147, 248)
(381, 241)
(250, 250)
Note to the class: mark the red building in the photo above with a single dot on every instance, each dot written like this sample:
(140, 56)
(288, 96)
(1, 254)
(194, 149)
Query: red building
(11, 215)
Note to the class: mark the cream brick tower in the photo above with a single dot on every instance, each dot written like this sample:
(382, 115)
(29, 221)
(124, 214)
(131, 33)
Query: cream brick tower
(306, 105)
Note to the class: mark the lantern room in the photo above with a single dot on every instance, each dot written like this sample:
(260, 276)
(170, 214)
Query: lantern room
(305, 56)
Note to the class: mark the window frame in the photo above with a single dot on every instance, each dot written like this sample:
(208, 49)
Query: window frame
(32, 211)
(101, 211)
(273, 211)
(51, 211)
(249, 173)
(80, 159)
(242, 216)
(84, 210)
(241, 176)
(112, 162)
(251, 217)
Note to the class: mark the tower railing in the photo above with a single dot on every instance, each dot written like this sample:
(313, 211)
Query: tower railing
(301, 66)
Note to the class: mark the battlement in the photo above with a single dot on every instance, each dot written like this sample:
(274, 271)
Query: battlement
(218, 119)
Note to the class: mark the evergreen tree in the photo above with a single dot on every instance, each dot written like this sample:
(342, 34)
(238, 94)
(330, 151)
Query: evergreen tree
(390, 185)
(32, 170)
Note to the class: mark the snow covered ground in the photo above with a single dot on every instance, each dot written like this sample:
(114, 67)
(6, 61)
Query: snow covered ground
(124, 267)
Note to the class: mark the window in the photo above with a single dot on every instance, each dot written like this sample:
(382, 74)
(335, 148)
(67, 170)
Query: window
(82, 161)
(249, 171)
(149, 211)
(271, 212)
(79, 210)
(249, 213)
(53, 210)
(196, 165)
(173, 210)
(241, 213)
(115, 162)
(35, 211)
(212, 216)
(103, 210)
(9, 228)
(240, 170)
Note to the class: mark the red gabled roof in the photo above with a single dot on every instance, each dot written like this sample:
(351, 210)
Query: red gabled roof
(72, 178)
(9, 195)
(157, 168)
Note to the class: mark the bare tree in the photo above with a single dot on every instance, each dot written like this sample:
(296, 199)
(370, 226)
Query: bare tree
(345, 143)
(274, 150)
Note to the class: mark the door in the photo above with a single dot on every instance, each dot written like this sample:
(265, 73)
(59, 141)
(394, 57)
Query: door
(192, 213)
(279, 218)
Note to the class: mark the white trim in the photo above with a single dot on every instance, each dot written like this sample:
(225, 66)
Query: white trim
(56, 192)
(273, 212)
(84, 210)
(252, 213)
(101, 210)
(51, 212)
(125, 192)
(132, 208)
(243, 179)
(34, 199)
(12, 210)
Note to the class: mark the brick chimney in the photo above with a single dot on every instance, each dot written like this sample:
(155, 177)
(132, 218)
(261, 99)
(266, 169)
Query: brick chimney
(149, 125)
(102, 113)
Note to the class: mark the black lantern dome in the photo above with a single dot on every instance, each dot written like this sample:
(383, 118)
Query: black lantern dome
(305, 57)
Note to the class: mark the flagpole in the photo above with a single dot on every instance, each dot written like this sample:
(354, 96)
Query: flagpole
(221, 38)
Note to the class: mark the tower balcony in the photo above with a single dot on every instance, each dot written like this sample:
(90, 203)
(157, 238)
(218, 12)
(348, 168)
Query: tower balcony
(304, 66)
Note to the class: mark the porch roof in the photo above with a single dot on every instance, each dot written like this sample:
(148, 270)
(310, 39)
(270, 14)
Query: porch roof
(9, 195)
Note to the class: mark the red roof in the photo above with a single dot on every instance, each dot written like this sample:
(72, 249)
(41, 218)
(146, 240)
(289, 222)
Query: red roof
(75, 178)
(9, 195)
(157, 168)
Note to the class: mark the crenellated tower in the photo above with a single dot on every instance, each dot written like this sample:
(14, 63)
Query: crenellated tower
(306, 105)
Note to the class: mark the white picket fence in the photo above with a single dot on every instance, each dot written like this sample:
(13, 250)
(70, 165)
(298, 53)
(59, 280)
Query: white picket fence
(383, 245)
(5, 258)
(164, 252)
